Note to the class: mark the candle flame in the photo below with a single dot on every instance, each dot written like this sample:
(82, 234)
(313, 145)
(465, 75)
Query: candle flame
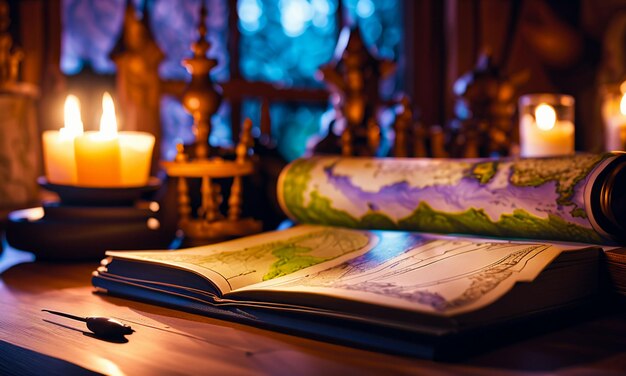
(545, 116)
(73, 123)
(108, 122)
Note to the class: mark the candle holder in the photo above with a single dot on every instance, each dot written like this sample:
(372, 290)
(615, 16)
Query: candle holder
(86, 222)
(546, 125)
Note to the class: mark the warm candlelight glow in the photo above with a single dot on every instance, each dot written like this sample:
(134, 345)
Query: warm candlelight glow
(108, 122)
(108, 158)
(622, 105)
(98, 155)
(615, 121)
(104, 158)
(73, 123)
(546, 125)
(545, 116)
(58, 146)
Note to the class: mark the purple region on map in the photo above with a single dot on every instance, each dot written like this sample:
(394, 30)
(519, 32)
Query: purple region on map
(400, 198)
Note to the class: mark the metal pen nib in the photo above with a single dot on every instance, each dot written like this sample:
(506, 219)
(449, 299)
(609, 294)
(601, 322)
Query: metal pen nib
(100, 326)
(83, 319)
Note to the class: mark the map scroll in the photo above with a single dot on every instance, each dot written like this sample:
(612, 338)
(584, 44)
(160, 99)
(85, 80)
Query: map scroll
(572, 198)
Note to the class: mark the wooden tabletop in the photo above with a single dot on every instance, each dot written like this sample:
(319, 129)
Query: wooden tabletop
(171, 342)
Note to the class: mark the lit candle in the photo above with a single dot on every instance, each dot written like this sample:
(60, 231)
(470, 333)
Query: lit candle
(98, 152)
(58, 146)
(615, 130)
(108, 158)
(544, 135)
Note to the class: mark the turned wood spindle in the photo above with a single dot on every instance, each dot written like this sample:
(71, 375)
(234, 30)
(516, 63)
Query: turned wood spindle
(235, 201)
(245, 141)
(184, 202)
(208, 208)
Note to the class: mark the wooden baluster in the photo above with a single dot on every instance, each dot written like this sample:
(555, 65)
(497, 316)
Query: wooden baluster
(245, 141)
(373, 136)
(184, 206)
(402, 124)
(400, 149)
(208, 207)
(419, 141)
(235, 199)
(437, 139)
(346, 142)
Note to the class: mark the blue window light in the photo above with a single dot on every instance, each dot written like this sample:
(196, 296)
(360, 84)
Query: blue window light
(282, 42)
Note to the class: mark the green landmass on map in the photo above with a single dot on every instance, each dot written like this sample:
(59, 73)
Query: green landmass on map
(566, 172)
(275, 258)
(291, 258)
(517, 224)
(484, 171)
(424, 218)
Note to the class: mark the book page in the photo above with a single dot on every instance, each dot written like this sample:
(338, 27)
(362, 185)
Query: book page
(438, 275)
(238, 263)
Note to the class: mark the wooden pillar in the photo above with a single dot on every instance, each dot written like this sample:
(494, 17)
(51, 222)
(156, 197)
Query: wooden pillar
(40, 30)
(425, 57)
(235, 71)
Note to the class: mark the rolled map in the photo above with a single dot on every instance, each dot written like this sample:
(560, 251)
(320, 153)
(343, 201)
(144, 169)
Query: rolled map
(578, 198)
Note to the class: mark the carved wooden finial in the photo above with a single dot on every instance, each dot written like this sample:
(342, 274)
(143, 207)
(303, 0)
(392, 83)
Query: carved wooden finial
(202, 97)
(201, 46)
(180, 153)
(353, 77)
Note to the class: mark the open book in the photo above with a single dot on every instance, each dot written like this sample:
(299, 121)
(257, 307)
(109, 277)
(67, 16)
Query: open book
(391, 290)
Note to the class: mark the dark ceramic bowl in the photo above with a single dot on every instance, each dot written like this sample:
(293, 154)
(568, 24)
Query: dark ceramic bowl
(90, 196)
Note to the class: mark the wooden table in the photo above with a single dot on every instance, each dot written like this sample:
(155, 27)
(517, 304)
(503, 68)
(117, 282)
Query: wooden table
(171, 342)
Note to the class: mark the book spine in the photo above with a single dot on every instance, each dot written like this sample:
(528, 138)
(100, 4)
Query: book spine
(572, 198)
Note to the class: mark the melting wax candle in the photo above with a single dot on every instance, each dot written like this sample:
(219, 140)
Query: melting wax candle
(98, 152)
(108, 158)
(58, 146)
(543, 134)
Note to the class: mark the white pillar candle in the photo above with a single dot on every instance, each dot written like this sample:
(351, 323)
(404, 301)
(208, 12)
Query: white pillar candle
(58, 146)
(543, 135)
(136, 157)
